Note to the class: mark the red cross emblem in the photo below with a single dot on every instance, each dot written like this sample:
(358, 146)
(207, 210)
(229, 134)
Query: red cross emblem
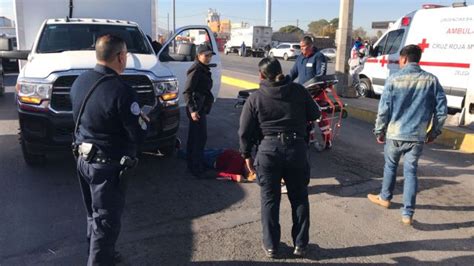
(423, 45)
(383, 61)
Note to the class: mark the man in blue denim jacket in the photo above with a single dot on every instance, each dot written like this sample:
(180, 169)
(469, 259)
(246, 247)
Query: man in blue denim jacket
(411, 100)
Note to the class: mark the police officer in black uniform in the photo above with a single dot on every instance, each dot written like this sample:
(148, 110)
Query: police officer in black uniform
(199, 99)
(279, 111)
(109, 128)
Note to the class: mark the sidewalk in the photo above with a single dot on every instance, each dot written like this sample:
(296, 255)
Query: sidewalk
(458, 138)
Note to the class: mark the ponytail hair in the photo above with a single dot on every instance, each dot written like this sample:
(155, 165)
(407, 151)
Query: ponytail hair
(270, 68)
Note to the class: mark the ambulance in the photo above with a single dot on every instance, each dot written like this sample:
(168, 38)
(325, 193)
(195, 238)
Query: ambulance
(446, 36)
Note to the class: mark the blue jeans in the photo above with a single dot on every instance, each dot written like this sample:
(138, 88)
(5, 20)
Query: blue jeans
(393, 150)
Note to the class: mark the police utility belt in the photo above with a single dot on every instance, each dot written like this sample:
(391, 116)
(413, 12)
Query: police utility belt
(284, 137)
(91, 154)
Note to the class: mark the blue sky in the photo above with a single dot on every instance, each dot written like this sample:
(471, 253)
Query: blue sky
(284, 12)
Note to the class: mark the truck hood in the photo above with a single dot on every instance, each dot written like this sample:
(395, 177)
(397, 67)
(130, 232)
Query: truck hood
(42, 65)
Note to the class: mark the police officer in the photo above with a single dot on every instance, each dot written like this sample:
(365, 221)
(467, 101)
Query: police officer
(109, 128)
(199, 100)
(309, 64)
(279, 111)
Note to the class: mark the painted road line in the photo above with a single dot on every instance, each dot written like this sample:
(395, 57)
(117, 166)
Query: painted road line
(239, 83)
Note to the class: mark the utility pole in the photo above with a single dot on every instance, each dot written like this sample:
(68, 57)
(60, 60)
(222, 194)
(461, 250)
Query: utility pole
(343, 44)
(174, 16)
(268, 14)
(297, 23)
(168, 32)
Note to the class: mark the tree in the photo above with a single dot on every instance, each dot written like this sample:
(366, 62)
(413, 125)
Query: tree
(290, 29)
(316, 27)
(379, 34)
(359, 32)
(323, 27)
(334, 22)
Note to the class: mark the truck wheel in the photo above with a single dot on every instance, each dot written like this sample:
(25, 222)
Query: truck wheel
(226, 52)
(31, 159)
(285, 57)
(365, 88)
(270, 54)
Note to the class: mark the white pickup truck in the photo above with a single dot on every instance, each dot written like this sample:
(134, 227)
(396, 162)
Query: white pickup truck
(59, 48)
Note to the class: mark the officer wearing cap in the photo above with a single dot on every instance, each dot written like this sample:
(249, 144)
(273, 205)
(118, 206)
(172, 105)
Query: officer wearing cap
(199, 100)
(109, 129)
(279, 111)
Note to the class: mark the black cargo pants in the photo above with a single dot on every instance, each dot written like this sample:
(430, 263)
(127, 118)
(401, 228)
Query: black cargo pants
(197, 138)
(276, 160)
(103, 192)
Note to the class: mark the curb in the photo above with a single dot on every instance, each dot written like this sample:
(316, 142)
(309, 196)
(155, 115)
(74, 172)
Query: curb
(456, 139)
(239, 83)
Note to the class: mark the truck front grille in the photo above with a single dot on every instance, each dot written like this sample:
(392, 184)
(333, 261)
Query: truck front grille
(61, 102)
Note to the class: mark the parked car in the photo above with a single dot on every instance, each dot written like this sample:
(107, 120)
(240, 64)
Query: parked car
(330, 53)
(286, 50)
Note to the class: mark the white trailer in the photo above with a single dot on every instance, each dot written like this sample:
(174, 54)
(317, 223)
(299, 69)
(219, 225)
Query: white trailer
(255, 39)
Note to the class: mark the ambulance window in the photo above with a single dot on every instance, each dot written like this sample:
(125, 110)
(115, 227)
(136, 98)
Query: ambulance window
(378, 50)
(394, 39)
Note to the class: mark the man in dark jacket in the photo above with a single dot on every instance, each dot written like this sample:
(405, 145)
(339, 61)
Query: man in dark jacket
(309, 64)
(199, 100)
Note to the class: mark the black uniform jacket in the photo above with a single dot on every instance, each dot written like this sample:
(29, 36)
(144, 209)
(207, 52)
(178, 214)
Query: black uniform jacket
(197, 90)
(276, 107)
(111, 118)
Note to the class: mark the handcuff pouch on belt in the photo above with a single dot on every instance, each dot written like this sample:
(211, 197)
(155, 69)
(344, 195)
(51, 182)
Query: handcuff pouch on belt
(87, 151)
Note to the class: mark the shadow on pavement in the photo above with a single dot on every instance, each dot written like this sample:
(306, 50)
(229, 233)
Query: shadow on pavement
(45, 218)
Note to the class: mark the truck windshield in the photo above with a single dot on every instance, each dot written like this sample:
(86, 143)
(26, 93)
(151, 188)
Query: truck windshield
(73, 37)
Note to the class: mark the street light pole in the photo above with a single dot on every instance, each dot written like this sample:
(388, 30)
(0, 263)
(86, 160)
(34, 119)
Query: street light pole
(174, 16)
(268, 13)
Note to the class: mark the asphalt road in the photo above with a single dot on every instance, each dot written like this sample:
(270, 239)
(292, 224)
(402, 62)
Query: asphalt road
(173, 219)
(249, 65)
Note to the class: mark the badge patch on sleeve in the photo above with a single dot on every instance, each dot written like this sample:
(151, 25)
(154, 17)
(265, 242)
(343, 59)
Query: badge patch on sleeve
(135, 108)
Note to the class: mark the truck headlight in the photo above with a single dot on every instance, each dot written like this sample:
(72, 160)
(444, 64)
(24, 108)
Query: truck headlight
(33, 93)
(166, 90)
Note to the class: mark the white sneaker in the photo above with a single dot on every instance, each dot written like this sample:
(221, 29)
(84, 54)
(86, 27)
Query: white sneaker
(283, 189)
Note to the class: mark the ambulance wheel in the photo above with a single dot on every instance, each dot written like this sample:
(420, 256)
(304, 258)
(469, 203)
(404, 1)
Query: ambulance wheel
(285, 57)
(226, 52)
(365, 88)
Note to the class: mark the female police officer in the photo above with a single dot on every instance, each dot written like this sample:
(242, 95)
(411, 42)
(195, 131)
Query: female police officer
(199, 99)
(279, 112)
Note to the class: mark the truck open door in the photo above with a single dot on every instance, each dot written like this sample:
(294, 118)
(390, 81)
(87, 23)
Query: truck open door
(179, 52)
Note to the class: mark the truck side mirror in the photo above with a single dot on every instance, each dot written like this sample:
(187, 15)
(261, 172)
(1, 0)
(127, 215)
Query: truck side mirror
(6, 44)
(16, 54)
